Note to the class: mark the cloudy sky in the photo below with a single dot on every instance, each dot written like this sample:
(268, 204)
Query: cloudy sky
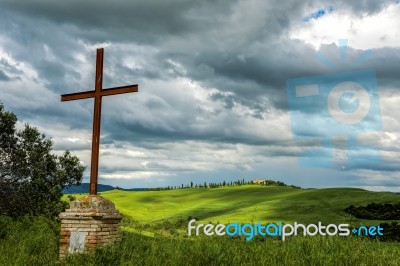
(215, 81)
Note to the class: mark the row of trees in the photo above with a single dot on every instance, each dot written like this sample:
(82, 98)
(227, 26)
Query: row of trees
(225, 184)
(31, 177)
(203, 185)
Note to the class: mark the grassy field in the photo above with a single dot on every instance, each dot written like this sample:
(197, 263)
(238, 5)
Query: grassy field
(248, 203)
(35, 243)
(155, 222)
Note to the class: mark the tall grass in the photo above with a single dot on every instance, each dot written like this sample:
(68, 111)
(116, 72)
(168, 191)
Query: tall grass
(35, 242)
(28, 242)
(140, 250)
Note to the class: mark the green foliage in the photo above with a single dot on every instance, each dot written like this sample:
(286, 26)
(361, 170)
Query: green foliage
(376, 211)
(391, 231)
(31, 177)
(71, 198)
(380, 211)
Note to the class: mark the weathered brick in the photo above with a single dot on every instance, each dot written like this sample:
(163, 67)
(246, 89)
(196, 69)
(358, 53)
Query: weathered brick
(90, 214)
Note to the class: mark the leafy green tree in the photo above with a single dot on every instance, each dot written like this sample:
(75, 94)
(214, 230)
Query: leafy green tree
(31, 177)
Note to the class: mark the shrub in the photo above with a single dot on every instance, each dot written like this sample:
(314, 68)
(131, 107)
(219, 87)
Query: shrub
(31, 178)
(376, 211)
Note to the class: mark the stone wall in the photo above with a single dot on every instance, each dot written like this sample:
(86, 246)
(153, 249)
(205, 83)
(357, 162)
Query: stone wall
(89, 222)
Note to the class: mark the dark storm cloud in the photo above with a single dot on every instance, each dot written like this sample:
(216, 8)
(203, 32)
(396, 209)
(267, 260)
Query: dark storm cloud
(9, 68)
(172, 17)
(231, 60)
(230, 100)
(366, 6)
(142, 21)
(4, 76)
(238, 51)
(266, 70)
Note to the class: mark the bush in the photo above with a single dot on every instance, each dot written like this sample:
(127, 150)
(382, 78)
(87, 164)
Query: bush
(391, 232)
(376, 211)
(31, 178)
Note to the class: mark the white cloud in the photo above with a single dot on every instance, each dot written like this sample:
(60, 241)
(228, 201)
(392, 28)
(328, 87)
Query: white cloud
(133, 175)
(366, 32)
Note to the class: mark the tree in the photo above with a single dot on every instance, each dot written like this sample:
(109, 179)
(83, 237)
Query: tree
(31, 177)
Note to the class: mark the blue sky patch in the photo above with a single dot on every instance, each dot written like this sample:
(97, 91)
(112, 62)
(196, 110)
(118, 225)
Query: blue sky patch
(319, 13)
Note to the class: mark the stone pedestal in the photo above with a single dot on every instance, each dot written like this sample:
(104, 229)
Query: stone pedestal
(89, 222)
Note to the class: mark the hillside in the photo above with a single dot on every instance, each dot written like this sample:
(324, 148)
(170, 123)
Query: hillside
(249, 203)
(84, 188)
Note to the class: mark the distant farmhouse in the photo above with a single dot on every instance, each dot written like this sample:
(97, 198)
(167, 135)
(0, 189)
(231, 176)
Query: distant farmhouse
(258, 181)
(267, 182)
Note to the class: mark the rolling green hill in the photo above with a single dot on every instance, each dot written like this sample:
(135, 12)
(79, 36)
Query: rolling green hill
(154, 230)
(248, 203)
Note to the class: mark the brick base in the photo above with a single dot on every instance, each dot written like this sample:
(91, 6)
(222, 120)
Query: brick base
(89, 222)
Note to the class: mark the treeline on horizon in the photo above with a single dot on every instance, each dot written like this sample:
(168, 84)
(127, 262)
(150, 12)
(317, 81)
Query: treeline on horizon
(239, 182)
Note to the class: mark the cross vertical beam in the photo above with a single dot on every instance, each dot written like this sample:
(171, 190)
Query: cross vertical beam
(94, 168)
(97, 94)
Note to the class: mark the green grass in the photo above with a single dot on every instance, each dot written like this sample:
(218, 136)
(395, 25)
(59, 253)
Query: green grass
(155, 222)
(35, 243)
(247, 204)
(140, 250)
(28, 242)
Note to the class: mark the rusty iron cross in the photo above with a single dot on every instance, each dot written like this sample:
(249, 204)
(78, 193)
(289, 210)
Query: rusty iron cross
(97, 94)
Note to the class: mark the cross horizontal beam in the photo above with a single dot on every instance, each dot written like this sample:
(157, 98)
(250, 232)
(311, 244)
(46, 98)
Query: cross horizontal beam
(97, 94)
(103, 92)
